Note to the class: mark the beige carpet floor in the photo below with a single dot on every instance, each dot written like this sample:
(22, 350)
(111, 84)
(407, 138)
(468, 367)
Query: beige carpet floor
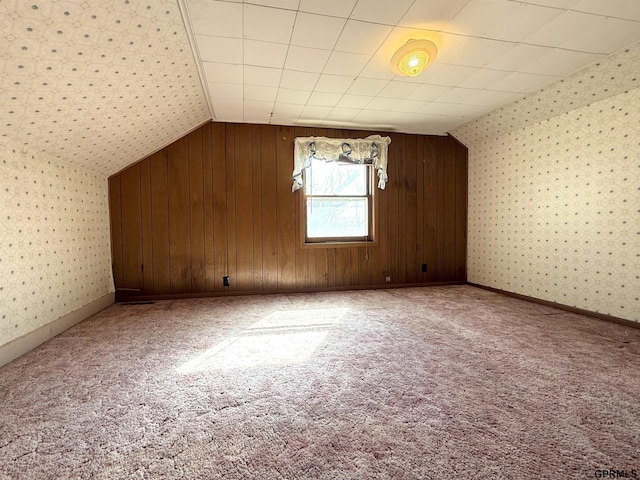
(416, 383)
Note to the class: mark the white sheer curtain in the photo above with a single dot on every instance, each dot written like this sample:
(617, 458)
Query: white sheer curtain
(370, 150)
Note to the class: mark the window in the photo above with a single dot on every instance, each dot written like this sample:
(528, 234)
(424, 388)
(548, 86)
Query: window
(337, 204)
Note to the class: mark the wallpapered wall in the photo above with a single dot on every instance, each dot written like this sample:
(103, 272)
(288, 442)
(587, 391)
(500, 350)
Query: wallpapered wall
(54, 240)
(554, 198)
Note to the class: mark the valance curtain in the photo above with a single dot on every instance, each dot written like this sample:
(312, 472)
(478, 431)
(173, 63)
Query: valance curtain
(370, 150)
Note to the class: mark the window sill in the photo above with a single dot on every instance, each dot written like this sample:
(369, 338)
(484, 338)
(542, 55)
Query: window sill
(338, 244)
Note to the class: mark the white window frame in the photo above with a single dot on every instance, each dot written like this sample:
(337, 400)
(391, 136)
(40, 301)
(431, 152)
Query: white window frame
(338, 241)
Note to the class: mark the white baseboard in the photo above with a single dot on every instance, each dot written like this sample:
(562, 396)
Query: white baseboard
(31, 340)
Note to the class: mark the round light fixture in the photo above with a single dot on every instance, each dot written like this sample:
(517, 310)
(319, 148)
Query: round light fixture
(413, 57)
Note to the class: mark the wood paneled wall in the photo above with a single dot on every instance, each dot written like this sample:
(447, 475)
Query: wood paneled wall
(218, 202)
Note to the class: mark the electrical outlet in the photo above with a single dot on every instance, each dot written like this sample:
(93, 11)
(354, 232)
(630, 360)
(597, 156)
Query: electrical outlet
(225, 281)
(388, 279)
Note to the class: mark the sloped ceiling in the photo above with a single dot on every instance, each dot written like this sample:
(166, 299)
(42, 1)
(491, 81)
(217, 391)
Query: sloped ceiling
(98, 83)
(104, 83)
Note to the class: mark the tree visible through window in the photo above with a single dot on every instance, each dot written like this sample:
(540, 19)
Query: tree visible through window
(338, 202)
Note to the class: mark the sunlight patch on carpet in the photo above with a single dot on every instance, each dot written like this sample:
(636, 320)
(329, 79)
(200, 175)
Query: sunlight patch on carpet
(285, 337)
(301, 318)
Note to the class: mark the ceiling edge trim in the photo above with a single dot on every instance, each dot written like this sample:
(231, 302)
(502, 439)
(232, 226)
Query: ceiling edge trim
(186, 19)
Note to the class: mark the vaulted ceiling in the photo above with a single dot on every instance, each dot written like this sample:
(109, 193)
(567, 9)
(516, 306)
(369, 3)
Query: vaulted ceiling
(103, 83)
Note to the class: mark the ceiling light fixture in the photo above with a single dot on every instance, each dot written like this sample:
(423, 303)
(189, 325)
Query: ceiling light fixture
(413, 57)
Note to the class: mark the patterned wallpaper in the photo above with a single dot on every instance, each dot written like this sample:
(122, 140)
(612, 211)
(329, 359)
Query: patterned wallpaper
(54, 240)
(554, 191)
(100, 83)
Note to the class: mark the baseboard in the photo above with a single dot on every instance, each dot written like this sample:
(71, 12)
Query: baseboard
(560, 306)
(31, 340)
(125, 296)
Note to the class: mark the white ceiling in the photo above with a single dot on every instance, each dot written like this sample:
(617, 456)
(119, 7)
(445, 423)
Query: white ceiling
(326, 62)
(104, 83)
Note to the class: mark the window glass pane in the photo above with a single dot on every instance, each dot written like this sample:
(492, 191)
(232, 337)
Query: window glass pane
(339, 217)
(333, 178)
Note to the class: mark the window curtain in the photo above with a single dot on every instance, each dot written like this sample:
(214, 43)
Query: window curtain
(370, 150)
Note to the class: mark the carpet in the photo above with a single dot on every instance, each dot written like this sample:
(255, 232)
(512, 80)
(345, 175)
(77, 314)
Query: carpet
(415, 383)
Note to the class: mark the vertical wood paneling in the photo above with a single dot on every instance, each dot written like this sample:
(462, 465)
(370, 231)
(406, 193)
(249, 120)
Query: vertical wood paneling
(440, 240)
(364, 266)
(244, 208)
(379, 254)
(401, 266)
(420, 213)
(196, 207)
(286, 228)
(256, 197)
(331, 267)
(209, 234)
(312, 274)
(131, 228)
(355, 266)
(219, 202)
(146, 226)
(322, 268)
(179, 224)
(219, 163)
(411, 210)
(160, 223)
(232, 244)
(430, 194)
(269, 208)
(343, 267)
